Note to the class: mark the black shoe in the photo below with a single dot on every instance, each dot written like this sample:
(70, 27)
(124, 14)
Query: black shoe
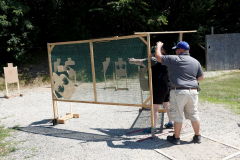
(197, 139)
(168, 125)
(174, 140)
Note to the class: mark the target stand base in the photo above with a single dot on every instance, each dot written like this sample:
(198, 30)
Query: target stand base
(62, 120)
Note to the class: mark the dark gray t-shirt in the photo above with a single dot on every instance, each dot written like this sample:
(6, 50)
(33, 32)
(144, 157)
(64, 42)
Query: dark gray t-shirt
(154, 61)
(159, 72)
(183, 69)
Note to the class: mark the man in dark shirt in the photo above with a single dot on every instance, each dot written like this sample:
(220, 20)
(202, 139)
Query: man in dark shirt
(161, 87)
(184, 71)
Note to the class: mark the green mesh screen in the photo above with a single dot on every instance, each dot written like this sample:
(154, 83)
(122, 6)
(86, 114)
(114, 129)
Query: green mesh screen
(117, 81)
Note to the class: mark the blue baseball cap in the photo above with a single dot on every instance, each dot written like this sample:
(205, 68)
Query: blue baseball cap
(182, 45)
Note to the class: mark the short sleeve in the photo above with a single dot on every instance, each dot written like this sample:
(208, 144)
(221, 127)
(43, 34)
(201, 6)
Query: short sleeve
(153, 61)
(166, 60)
(200, 72)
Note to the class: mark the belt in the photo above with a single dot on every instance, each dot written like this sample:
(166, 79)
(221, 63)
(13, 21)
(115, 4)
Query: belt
(184, 88)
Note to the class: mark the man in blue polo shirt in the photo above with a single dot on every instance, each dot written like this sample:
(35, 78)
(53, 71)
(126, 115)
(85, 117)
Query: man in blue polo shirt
(184, 72)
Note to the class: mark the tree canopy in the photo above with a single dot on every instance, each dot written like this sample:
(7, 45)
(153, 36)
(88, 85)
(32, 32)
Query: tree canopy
(31, 24)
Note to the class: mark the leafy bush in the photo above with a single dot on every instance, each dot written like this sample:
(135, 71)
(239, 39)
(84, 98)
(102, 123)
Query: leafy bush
(17, 31)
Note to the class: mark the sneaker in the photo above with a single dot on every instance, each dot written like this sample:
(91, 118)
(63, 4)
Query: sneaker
(168, 125)
(174, 140)
(197, 139)
(149, 130)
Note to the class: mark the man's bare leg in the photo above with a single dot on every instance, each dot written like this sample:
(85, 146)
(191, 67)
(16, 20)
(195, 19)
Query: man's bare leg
(177, 129)
(167, 107)
(155, 112)
(196, 127)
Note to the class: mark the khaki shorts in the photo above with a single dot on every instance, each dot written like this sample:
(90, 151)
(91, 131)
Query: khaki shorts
(183, 100)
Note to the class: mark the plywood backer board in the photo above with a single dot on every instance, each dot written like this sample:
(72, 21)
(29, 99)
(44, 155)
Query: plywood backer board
(10, 73)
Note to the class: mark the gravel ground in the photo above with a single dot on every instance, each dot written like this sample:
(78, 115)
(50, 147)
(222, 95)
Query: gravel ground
(100, 132)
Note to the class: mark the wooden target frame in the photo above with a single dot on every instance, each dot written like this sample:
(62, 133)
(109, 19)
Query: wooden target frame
(55, 98)
(11, 76)
(106, 65)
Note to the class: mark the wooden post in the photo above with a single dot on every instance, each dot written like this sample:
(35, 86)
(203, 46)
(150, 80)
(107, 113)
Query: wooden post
(50, 71)
(70, 108)
(75, 77)
(18, 88)
(57, 109)
(166, 32)
(126, 79)
(105, 81)
(140, 82)
(180, 36)
(93, 71)
(144, 41)
(6, 88)
(150, 84)
(116, 78)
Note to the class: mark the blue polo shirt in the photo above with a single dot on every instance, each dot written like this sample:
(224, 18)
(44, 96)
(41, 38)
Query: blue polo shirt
(183, 70)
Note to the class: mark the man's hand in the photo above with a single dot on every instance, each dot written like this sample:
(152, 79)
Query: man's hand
(131, 60)
(136, 61)
(159, 45)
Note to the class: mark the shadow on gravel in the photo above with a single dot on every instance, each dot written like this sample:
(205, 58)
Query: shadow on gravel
(2, 97)
(45, 121)
(115, 138)
(63, 133)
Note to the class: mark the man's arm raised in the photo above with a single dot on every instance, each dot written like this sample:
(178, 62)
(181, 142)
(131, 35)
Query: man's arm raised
(158, 52)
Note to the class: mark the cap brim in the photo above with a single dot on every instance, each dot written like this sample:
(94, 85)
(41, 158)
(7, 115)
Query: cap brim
(174, 47)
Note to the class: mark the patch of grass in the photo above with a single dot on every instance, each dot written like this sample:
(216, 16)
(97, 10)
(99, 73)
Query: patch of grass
(5, 146)
(2, 87)
(25, 78)
(82, 76)
(203, 68)
(224, 89)
(26, 157)
(2, 82)
(34, 150)
(6, 117)
(45, 78)
(16, 127)
(13, 149)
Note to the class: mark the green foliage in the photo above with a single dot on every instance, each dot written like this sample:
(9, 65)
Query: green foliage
(25, 78)
(223, 89)
(2, 87)
(82, 76)
(16, 28)
(124, 17)
(45, 78)
(33, 56)
(200, 15)
(27, 25)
